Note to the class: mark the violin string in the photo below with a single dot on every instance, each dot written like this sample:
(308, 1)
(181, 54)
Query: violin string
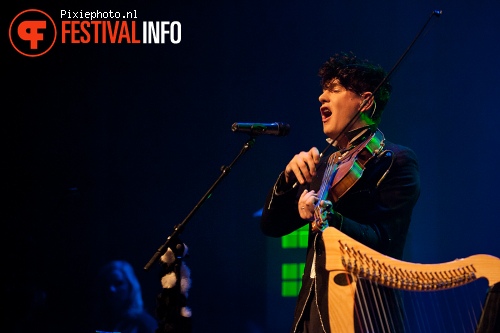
(323, 191)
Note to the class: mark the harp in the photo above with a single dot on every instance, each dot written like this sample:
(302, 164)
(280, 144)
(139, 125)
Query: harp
(351, 264)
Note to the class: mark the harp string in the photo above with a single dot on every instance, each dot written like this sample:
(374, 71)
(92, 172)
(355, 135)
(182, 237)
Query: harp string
(381, 305)
(451, 310)
(353, 283)
(434, 315)
(377, 308)
(365, 308)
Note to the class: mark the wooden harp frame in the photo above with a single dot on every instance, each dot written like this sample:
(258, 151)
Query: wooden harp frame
(344, 254)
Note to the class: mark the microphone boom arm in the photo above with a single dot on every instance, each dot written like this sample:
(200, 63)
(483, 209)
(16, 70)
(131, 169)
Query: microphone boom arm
(180, 227)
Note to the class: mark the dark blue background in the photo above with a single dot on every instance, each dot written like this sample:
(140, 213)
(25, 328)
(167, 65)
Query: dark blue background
(107, 147)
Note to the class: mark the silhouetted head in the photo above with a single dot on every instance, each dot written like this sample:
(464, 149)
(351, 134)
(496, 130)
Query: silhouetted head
(119, 288)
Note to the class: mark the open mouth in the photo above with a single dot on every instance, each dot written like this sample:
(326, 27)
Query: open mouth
(325, 113)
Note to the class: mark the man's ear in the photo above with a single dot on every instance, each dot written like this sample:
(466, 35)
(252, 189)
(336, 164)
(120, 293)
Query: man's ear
(367, 107)
(367, 102)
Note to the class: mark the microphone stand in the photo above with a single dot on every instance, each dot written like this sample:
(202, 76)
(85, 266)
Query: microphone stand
(180, 227)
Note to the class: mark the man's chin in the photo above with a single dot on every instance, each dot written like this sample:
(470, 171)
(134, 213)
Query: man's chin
(328, 132)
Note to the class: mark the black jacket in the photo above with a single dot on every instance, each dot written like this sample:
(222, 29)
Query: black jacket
(376, 212)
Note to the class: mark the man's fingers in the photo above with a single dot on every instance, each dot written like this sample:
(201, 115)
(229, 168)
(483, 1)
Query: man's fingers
(314, 152)
(303, 166)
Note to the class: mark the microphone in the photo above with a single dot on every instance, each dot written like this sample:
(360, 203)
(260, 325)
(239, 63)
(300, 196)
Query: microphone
(279, 129)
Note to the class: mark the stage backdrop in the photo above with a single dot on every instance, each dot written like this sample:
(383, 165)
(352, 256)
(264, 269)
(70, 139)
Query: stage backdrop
(108, 146)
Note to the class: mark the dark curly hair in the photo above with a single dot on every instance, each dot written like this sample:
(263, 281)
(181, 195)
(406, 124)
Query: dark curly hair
(358, 76)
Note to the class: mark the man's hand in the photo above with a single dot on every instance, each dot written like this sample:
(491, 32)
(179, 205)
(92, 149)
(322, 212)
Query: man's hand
(322, 215)
(307, 204)
(302, 167)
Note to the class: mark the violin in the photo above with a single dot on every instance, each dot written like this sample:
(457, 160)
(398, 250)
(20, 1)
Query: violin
(344, 169)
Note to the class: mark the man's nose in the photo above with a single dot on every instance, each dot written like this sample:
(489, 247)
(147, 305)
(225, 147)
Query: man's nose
(323, 98)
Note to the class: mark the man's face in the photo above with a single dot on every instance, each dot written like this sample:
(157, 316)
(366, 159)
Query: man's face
(338, 107)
